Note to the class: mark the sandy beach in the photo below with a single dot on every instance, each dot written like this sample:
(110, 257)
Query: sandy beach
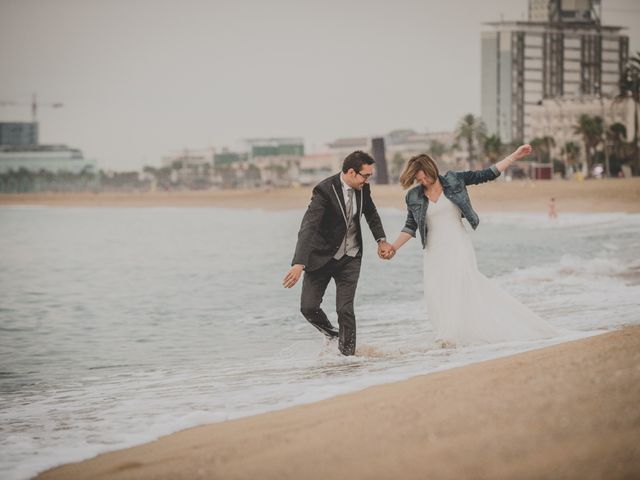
(610, 195)
(569, 411)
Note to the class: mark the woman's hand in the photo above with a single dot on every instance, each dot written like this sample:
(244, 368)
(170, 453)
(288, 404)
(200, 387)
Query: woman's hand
(386, 250)
(522, 151)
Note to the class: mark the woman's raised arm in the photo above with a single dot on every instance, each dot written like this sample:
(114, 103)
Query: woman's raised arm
(521, 152)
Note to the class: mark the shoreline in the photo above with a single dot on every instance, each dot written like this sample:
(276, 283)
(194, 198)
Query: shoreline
(607, 195)
(564, 411)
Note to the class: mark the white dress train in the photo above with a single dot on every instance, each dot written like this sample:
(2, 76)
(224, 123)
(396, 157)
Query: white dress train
(464, 306)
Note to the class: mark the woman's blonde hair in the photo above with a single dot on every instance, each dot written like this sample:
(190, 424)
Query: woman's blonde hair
(415, 164)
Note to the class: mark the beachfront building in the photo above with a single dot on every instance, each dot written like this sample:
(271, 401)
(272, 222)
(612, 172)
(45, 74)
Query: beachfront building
(191, 168)
(562, 50)
(558, 118)
(27, 166)
(344, 146)
(194, 159)
(277, 159)
(47, 158)
(233, 170)
(318, 166)
(373, 145)
(440, 145)
(401, 145)
(20, 151)
(227, 158)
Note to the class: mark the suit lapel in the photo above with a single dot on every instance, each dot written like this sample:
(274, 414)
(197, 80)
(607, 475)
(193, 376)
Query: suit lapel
(358, 200)
(339, 197)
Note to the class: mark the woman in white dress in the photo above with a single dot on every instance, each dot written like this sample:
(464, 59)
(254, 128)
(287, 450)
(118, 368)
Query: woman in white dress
(464, 306)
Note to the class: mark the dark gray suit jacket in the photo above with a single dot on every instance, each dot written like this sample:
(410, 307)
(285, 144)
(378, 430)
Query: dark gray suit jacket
(324, 224)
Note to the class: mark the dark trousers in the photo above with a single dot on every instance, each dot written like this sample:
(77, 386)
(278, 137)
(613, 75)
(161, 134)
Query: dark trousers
(345, 273)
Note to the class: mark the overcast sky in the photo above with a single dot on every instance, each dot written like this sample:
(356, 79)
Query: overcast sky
(141, 79)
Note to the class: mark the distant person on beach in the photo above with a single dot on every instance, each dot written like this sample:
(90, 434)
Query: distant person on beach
(330, 246)
(463, 305)
(552, 209)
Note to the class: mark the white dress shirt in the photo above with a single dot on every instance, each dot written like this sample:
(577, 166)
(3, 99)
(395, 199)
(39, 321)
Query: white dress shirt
(345, 195)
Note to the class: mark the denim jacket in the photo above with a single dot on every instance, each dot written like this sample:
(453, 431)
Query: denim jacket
(454, 187)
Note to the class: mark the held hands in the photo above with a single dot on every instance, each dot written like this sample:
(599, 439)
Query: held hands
(292, 276)
(386, 250)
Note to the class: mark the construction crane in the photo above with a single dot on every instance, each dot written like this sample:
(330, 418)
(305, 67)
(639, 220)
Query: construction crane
(34, 105)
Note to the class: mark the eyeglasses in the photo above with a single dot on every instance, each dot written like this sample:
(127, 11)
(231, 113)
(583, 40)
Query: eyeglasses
(366, 176)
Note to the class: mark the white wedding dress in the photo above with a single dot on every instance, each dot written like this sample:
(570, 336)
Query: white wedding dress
(464, 306)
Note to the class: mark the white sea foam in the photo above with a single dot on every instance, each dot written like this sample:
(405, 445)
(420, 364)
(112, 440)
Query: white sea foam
(564, 220)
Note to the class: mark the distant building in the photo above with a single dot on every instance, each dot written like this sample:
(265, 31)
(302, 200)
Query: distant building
(344, 146)
(277, 159)
(274, 147)
(19, 149)
(189, 158)
(18, 133)
(558, 118)
(441, 146)
(48, 158)
(192, 168)
(233, 171)
(318, 166)
(402, 144)
(228, 158)
(409, 143)
(565, 11)
(563, 50)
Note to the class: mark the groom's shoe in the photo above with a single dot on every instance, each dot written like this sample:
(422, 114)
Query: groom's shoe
(347, 343)
(331, 334)
(347, 350)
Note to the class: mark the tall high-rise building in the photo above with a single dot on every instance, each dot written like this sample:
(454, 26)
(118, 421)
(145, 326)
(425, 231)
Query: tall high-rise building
(562, 50)
(18, 133)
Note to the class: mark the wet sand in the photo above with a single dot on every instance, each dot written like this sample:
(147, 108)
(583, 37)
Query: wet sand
(570, 411)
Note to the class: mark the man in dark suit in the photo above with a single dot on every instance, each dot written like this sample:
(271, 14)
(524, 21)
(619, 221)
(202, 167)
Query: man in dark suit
(330, 246)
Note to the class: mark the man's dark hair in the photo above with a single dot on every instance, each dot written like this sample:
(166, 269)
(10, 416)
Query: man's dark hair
(355, 160)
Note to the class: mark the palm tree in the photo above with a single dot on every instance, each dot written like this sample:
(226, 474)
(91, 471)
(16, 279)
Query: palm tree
(253, 173)
(570, 152)
(437, 149)
(617, 136)
(630, 88)
(493, 148)
(621, 150)
(545, 145)
(25, 180)
(591, 130)
(472, 130)
(536, 143)
(542, 148)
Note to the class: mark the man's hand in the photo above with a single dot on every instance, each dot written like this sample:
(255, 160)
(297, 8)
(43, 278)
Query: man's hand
(386, 250)
(292, 276)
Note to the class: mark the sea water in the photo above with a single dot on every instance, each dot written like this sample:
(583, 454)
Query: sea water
(119, 325)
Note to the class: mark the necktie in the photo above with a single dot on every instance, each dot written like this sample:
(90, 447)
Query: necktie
(350, 205)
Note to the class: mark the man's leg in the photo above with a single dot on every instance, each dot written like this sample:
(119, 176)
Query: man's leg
(314, 285)
(346, 276)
